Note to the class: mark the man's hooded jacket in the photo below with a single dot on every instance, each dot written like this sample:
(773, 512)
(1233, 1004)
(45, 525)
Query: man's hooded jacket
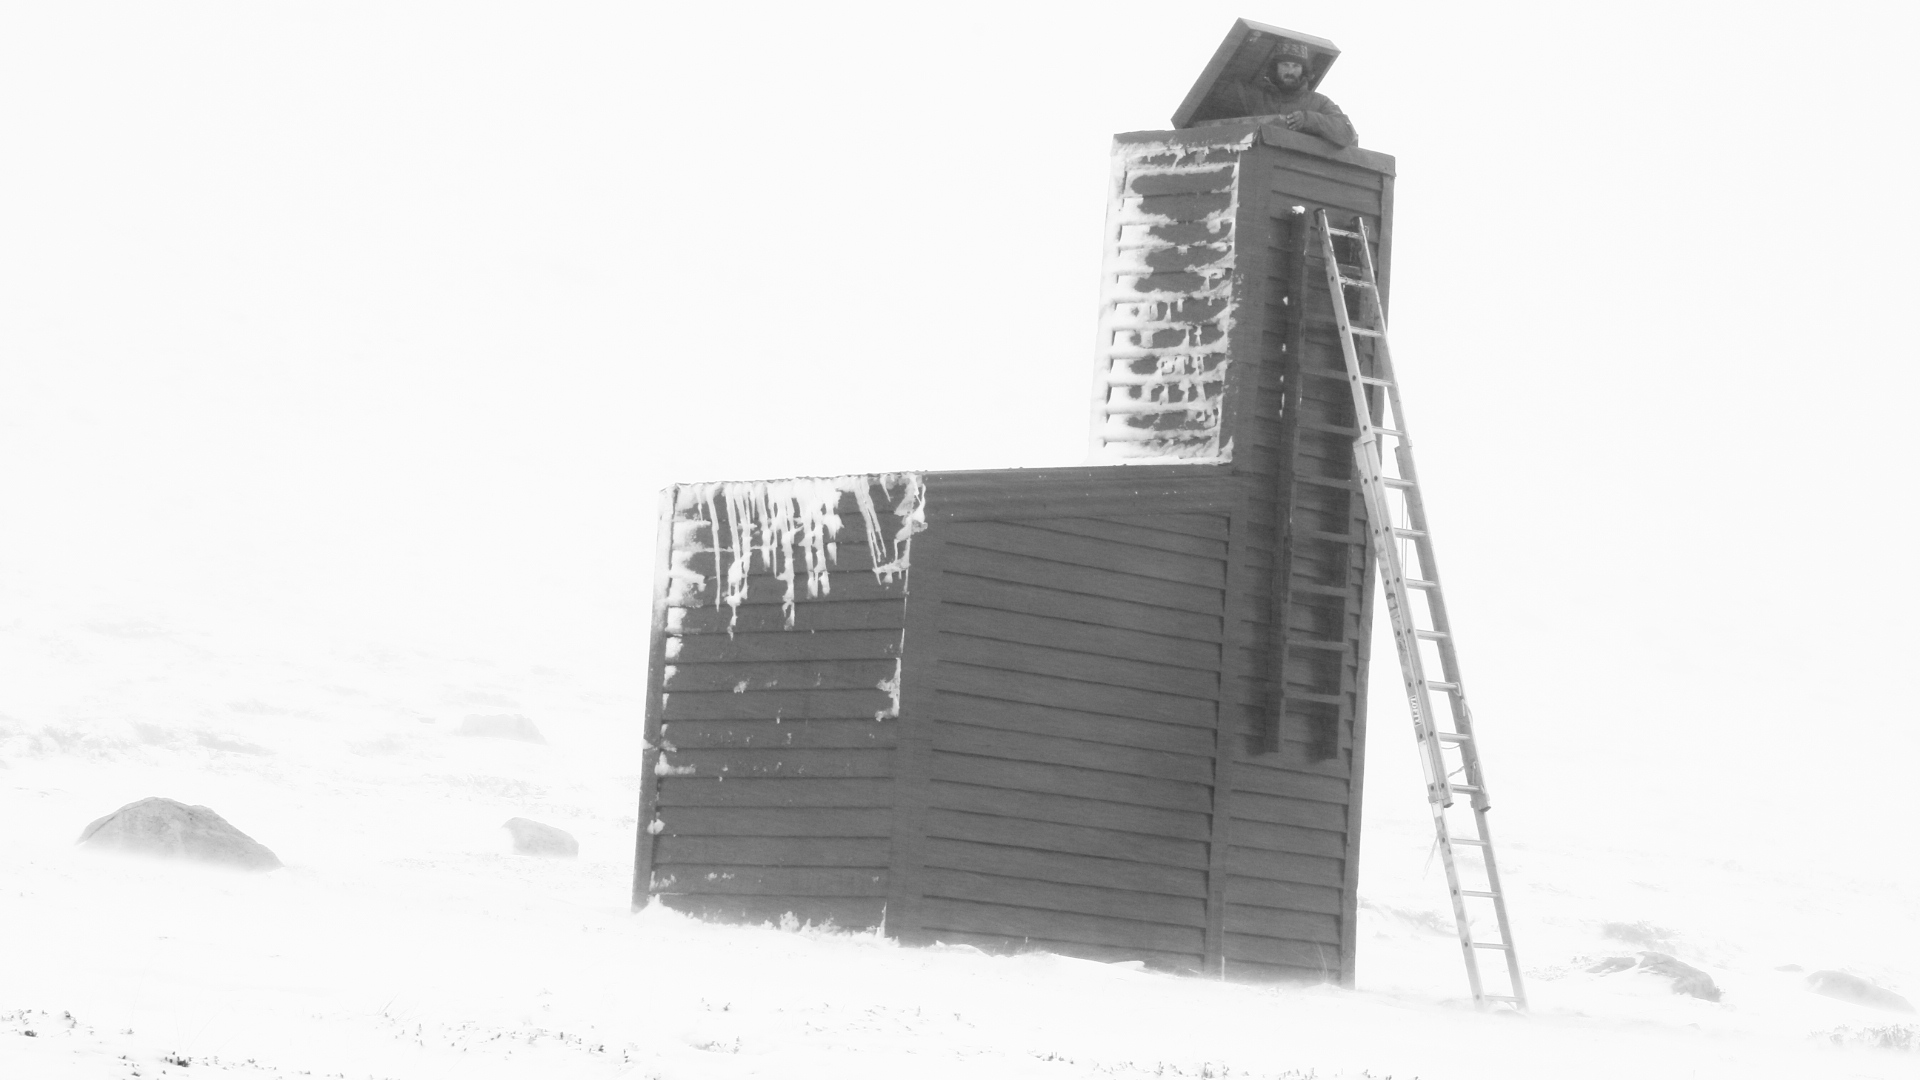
(1264, 97)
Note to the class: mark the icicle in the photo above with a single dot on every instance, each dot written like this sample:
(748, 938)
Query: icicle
(790, 529)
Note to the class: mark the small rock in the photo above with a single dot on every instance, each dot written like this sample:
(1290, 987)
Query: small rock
(1845, 987)
(1686, 978)
(532, 838)
(175, 830)
(501, 726)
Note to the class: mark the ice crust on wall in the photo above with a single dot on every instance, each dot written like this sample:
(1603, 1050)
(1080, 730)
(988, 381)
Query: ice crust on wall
(789, 528)
(1162, 364)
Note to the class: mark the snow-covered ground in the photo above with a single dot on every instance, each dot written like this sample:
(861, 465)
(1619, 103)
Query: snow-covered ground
(404, 939)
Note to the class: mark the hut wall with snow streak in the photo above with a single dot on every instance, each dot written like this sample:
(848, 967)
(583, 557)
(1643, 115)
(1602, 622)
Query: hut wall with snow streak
(1114, 711)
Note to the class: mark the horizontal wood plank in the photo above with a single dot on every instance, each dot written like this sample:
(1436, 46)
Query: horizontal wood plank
(986, 592)
(790, 791)
(797, 675)
(1287, 866)
(843, 557)
(1186, 778)
(1066, 868)
(1211, 526)
(767, 589)
(773, 881)
(1258, 774)
(1016, 538)
(788, 646)
(776, 704)
(774, 734)
(948, 707)
(1081, 899)
(958, 615)
(1285, 895)
(1294, 184)
(1152, 537)
(1086, 580)
(1070, 694)
(1067, 810)
(774, 821)
(741, 762)
(835, 614)
(1063, 663)
(1279, 923)
(1072, 839)
(1013, 774)
(706, 851)
(1289, 838)
(1281, 810)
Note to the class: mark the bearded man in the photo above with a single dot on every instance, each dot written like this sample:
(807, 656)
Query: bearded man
(1281, 91)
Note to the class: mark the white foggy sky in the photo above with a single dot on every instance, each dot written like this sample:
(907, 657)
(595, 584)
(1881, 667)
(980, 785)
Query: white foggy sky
(393, 318)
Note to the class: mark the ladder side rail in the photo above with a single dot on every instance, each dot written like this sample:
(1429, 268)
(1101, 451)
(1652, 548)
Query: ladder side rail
(1416, 511)
(1380, 527)
(1499, 905)
(1369, 449)
(1462, 925)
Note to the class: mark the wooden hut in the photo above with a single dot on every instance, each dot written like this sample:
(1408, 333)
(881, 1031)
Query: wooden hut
(1113, 711)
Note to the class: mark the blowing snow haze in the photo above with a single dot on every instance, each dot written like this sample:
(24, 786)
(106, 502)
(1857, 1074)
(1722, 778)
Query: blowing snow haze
(346, 356)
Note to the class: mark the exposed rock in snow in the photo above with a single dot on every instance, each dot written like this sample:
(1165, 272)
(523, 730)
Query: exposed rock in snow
(533, 838)
(170, 829)
(502, 726)
(1686, 978)
(1845, 987)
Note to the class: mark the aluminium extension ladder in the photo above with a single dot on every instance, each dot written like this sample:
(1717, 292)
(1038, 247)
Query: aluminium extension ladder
(1397, 523)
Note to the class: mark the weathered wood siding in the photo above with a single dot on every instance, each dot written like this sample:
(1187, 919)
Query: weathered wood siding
(1298, 722)
(1115, 712)
(773, 727)
(1067, 683)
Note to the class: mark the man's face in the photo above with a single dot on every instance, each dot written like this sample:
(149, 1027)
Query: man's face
(1289, 73)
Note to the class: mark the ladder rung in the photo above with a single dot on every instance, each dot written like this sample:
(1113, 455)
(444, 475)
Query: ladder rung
(1362, 282)
(1343, 232)
(1390, 431)
(1480, 894)
(1365, 332)
(1443, 686)
(1419, 583)
(1467, 789)
(1456, 736)
(1496, 945)
(1371, 381)
(1407, 534)
(1431, 635)
(1397, 482)
(1470, 843)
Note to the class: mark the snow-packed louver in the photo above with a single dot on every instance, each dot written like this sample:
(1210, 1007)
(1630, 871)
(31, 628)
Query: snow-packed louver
(1167, 303)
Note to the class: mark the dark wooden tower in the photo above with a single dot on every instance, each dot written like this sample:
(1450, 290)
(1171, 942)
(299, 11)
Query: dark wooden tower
(1113, 711)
